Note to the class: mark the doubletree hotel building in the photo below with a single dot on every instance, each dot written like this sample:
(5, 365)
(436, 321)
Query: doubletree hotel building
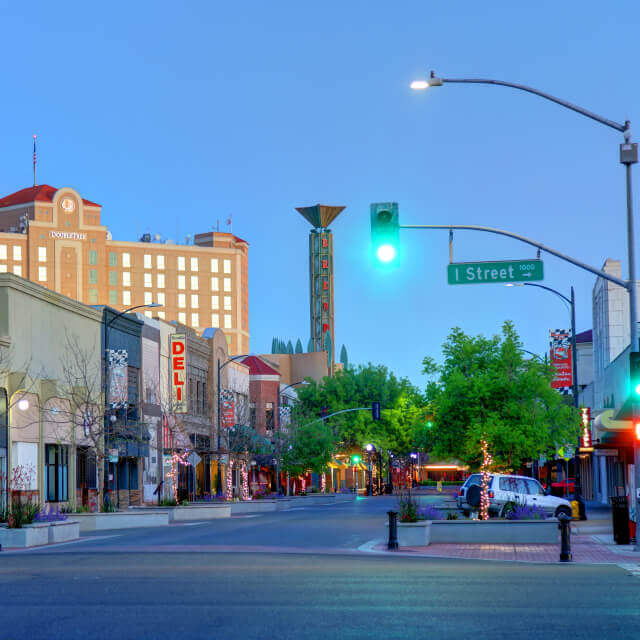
(56, 238)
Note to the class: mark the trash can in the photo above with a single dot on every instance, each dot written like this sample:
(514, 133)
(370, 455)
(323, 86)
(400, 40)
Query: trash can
(620, 517)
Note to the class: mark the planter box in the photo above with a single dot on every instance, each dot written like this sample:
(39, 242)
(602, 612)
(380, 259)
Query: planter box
(31, 535)
(414, 534)
(199, 512)
(258, 506)
(122, 519)
(495, 531)
(63, 531)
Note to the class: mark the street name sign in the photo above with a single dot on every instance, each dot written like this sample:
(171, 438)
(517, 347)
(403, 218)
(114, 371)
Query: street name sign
(495, 272)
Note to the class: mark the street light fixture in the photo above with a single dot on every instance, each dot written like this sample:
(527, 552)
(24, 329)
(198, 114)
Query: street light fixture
(370, 450)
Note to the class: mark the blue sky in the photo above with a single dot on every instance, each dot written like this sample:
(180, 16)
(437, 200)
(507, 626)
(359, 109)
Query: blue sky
(175, 115)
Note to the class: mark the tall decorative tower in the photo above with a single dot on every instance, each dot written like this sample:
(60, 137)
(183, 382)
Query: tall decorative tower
(321, 277)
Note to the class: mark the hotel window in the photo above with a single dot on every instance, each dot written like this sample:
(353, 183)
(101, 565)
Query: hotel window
(227, 321)
(195, 320)
(194, 264)
(93, 296)
(42, 254)
(215, 320)
(113, 278)
(194, 282)
(194, 300)
(215, 284)
(113, 297)
(148, 297)
(182, 300)
(161, 314)
(3, 268)
(126, 259)
(17, 253)
(182, 282)
(160, 280)
(148, 280)
(93, 276)
(215, 302)
(214, 265)
(126, 278)
(227, 266)
(161, 299)
(3, 251)
(93, 257)
(227, 303)
(56, 472)
(113, 259)
(147, 261)
(227, 284)
(42, 274)
(182, 317)
(160, 262)
(181, 263)
(126, 298)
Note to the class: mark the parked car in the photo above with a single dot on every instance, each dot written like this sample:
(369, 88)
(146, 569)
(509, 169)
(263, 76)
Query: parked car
(504, 489)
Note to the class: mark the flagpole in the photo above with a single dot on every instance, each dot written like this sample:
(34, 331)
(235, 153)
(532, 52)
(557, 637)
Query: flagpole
(34, 159)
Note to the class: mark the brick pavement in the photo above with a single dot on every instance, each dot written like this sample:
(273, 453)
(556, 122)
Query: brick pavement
(585, 549)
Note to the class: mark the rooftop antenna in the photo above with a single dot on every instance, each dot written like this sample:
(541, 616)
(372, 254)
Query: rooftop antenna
(34, 159)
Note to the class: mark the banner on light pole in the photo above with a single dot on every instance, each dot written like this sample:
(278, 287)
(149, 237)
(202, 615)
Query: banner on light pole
(561, 357)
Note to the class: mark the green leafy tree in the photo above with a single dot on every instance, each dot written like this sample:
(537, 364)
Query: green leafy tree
(309, 446)
(487, 389)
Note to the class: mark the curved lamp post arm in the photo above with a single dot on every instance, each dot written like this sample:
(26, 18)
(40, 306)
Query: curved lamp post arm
(623, 128)
(542, 286)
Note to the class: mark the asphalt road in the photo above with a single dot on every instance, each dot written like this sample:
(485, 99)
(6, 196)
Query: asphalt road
(124, 587)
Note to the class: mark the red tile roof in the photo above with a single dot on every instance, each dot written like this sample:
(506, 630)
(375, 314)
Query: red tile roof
(258, 367)
(39, 193)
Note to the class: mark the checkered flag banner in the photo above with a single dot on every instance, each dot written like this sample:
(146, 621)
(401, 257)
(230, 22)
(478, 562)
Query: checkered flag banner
(285, 415)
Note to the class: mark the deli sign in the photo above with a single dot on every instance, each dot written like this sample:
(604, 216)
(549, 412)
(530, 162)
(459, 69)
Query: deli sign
(178, 372)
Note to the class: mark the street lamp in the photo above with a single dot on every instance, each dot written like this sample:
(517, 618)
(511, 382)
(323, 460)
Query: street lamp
(412, 457)
(370, 449)
(105, 377)
(628, 157)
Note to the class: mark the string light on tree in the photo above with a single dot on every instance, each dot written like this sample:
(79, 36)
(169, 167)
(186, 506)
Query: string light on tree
(487, 459)
(177, 459)
(229, 480)
(323, 483)
(245, 481)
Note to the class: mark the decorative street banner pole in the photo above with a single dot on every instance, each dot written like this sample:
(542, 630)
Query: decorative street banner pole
(561, 355)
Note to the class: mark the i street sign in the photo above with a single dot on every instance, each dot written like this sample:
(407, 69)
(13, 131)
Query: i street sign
(494, 272)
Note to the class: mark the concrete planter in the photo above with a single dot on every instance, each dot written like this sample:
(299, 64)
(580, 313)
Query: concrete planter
(122, 519)
(414, 534)
(258, 506)
(199, 512)
(63, 531)
(31, 535)
(495, 531)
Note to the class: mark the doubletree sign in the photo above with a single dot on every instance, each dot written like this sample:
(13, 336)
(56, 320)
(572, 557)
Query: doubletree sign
(495, 272)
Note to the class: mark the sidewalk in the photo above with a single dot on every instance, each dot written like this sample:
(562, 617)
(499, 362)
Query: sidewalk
(586, 549)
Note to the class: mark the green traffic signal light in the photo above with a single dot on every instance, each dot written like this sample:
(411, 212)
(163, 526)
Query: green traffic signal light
(634, 373)
(355, 459)
(385, 230)
(429, 424)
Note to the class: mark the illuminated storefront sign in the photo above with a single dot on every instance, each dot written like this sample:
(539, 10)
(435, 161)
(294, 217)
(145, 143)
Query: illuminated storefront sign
(178, 350)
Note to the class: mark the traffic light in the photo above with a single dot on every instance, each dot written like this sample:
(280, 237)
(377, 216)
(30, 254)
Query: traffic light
(637, 431)
(324, 412)
(375, 410)
(385, 230)
(634, 371)
(355, 459)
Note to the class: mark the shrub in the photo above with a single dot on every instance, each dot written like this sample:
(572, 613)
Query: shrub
(50, 514)
(525, 512)
(408, 508)
(168, 502)
(452, 515)
(429, 513)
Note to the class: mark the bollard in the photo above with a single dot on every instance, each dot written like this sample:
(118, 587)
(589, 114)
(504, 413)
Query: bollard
(393, 530)
(565, 537)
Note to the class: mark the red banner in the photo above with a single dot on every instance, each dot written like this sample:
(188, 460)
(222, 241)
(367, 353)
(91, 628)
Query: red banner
(228, 414)
(560, 350)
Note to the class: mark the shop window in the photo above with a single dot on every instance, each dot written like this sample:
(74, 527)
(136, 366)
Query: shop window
(113, 259)
(56, 472)
(85, 471)
(128, 474)
(93, 257)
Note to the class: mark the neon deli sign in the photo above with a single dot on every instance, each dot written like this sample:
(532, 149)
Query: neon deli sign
(178, 371)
